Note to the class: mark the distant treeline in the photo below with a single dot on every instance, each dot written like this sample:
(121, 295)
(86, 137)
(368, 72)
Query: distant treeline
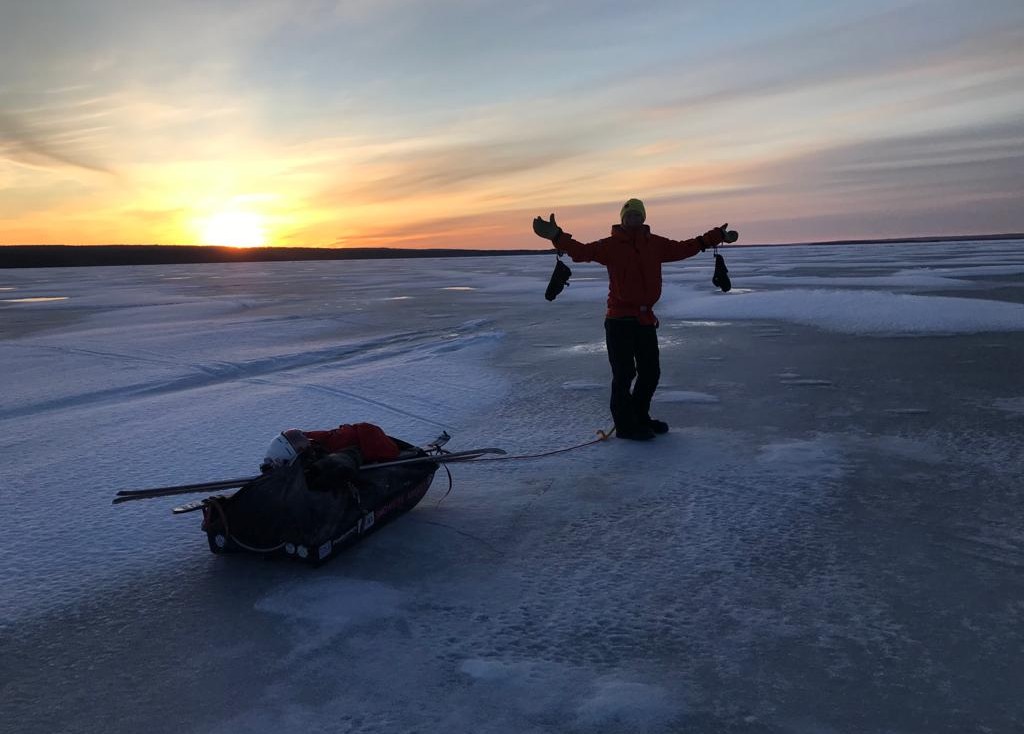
(64, 256)
(911, 240)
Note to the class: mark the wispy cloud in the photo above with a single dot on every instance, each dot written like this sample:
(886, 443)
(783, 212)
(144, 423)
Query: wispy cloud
(969, 160)
(38, 143)
(435, 171)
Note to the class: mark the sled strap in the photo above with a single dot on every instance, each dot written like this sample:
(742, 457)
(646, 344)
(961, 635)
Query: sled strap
(601, 436)
(451, 483)
(214, 502)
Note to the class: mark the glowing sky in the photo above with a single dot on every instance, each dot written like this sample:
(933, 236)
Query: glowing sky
(452, 123)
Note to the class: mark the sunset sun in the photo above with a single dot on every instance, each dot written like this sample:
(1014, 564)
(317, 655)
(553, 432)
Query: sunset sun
(233, 229)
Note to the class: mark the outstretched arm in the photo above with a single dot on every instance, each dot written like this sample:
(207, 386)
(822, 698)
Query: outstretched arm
(579, 252)
(583, 253)
(672, 250)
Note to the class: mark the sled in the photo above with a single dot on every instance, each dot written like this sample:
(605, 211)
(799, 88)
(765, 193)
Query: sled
(278, 514)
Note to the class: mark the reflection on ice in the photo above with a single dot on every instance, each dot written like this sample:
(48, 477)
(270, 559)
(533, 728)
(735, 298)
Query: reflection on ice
(684, 396)
(1010, 405)
(333, 602)
(857, 312)
(34, 299)
(582, 385)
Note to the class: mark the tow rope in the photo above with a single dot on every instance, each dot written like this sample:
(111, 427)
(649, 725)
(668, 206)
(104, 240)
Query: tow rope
(601, 436)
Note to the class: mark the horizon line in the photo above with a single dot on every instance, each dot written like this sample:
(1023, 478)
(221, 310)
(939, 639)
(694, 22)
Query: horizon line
(264, 248)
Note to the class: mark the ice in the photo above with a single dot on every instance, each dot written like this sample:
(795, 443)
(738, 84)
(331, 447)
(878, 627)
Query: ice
(337, 602)
(830, 538)
(857, 312)
(685, 396)
(1011, 405)
(820, 459)
(627, 705)
(582, 385)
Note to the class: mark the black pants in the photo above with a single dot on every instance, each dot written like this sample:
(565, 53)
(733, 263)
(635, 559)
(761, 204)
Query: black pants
(633, 352)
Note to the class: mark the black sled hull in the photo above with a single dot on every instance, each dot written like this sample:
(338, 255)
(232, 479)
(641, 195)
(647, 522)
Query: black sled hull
(278, 515)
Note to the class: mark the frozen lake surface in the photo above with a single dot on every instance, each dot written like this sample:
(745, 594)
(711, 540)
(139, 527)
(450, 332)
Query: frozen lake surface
(830, 539)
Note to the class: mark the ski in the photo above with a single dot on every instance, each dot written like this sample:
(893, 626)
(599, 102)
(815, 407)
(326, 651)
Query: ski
(129, 495)
(126, 495)
(449, 458)
(433, 446)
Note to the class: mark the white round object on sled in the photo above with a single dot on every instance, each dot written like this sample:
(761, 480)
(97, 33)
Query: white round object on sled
(285, 448)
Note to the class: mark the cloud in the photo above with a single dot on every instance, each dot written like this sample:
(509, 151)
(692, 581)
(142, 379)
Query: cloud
(504, 229)
(36, 143)
(968, 179)
(971, 160)
(437, 171)
(832, 52)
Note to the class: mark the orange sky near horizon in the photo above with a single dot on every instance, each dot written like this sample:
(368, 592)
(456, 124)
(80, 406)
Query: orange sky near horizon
(453, 124)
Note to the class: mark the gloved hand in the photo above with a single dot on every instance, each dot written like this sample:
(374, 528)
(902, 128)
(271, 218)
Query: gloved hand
(547, 230)
(729, 235)
(711, 238)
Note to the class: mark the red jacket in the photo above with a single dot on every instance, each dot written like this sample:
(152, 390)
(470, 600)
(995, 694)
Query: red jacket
(633, 257)
(373, 443)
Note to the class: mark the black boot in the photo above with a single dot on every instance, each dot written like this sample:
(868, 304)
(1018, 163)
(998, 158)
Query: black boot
(657, 426)
(634, 433)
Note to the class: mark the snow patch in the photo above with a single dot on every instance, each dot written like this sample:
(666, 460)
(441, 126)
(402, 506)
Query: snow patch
(905, 448)
(807, 382)
(856, 312)
(808, 458)
(684, 396)
(627, 706)
(581, 385)
(591, 348)
(690, 322)
(481, 669)
(1010, 405)
(336, 602)
(34, 299)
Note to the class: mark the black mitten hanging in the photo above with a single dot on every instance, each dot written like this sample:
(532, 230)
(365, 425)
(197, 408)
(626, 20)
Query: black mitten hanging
(721, 276)
(559, 280)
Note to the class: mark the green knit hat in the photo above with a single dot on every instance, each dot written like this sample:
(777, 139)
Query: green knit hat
(633, 205)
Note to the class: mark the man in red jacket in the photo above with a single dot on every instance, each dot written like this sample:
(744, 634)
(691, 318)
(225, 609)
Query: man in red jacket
(633, 256)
